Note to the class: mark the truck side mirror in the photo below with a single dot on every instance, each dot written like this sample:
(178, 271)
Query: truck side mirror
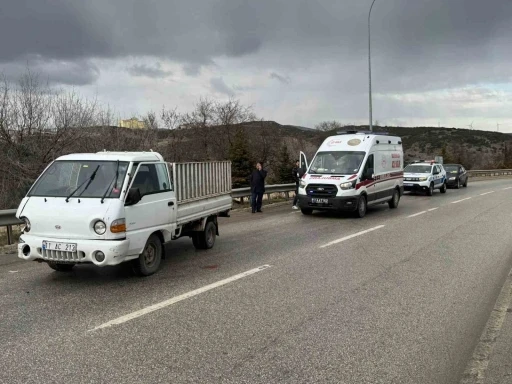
(133, 196)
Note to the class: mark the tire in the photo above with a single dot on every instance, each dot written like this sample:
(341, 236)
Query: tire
(458, 184)
(60, 267)
(465, 185)
(430, 190)
(150, 258)
(361, 207)
(393, 203)
(206, 238)
(443, 188)
(306, 211)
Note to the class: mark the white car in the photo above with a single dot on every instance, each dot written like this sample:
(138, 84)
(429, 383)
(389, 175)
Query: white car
(425, 177)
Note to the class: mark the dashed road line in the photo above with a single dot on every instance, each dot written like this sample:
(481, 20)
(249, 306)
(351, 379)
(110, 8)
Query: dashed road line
(507, 188)
(432, 209)
(486, 193)
(174, 300)
(417, 214)
(351, 236)
(458, 201)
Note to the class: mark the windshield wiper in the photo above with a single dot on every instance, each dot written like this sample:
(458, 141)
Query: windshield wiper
(109, 184)
(89, 180)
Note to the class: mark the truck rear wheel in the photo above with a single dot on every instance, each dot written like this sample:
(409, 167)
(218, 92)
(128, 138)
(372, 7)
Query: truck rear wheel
(60, 267)
(150, 258)
(206, 238)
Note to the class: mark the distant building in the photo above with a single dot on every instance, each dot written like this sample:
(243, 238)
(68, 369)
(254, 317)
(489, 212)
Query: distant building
(132, 123)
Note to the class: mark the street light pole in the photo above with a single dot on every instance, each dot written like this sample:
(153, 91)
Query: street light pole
(370, 69)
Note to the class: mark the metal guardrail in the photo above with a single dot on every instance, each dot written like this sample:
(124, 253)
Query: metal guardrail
(8, 218)
(490, 173)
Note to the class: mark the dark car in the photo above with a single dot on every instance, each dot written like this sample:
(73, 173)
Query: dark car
(456, 175)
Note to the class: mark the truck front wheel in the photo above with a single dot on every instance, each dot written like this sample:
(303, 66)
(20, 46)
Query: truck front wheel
(206, 238)
(150, 258)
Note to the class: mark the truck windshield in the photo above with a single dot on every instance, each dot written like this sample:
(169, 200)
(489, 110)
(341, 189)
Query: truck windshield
(64, 177)
(337, 162)
(418, 169)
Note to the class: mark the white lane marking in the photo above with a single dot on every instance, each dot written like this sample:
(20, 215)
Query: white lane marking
(13, 271)
(432, 209)
(174, 300)
(351, 236)
(458, 201)
(486, 193)
(507, 188)
(417, 214)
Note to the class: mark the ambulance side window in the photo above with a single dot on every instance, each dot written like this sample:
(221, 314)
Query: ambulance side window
(368, 165)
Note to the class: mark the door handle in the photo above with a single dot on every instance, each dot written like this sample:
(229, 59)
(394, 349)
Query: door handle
(170, 203)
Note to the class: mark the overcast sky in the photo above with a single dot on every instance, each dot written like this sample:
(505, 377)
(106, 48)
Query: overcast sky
(446, 62)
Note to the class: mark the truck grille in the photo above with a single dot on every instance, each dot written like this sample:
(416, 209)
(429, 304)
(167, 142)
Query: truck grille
(62, 256)
(321, 190)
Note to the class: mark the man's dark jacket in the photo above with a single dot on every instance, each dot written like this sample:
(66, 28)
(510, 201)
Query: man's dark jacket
(257, 180)
(297, 173)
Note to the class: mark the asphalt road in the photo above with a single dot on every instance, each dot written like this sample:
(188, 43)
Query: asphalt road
(400, 296)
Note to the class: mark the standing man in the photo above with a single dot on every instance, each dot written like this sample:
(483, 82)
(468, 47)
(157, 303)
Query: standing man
(297, 173)
(257, 187)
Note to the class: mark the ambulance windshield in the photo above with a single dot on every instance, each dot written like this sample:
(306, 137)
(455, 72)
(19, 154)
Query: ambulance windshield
(337, 162)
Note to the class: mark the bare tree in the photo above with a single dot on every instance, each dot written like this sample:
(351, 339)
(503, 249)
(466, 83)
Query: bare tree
(328, 126)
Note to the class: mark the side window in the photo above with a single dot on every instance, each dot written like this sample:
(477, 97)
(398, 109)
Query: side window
(163, 177)
(151, 178)
(368, 165)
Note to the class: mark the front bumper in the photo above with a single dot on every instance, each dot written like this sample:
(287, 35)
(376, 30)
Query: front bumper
(452, 183)
(338, 203)
(416, 186)
(30, 248)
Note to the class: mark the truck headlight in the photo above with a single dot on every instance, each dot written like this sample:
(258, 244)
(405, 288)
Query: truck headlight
(118, 226)
(346, 185)
(26, 223)
(423, 178)
(302, 184)
(100, 227)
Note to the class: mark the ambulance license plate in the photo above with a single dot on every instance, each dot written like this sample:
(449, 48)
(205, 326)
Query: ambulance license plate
(319, 201)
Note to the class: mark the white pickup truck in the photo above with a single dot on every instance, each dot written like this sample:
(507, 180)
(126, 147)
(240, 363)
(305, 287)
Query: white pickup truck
(106, 208)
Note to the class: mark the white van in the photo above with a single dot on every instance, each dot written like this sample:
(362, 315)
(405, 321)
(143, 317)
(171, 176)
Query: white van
(352, 171)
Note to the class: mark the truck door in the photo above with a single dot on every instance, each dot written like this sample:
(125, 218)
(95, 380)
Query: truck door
(157, 207)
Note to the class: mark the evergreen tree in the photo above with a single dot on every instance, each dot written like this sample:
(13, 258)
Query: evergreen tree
(241, 164)
(285, 165)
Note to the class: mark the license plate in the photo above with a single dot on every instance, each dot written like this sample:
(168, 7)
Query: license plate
(319, 201)
(53, 246)
(408, 185)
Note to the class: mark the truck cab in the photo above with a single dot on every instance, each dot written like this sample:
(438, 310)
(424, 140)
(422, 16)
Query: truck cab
(352, 171)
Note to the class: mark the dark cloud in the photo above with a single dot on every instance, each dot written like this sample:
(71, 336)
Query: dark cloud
(416, 44)
(219, 86)
(282, 79)
(77, 72)
(154, 72)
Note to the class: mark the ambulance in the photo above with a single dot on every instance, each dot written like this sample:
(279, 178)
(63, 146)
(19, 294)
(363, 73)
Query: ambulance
(352, 171)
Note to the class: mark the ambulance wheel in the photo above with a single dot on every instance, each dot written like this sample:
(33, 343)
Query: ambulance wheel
(59, 267)
(443, 188)
(361, 207)
(306, 211)
(430, 190)
(393, 203)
